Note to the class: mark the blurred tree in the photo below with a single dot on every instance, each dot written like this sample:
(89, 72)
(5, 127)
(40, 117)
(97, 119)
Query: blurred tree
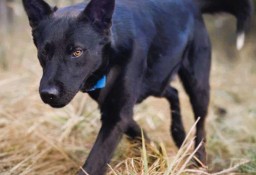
(6, 14)
(6, 21)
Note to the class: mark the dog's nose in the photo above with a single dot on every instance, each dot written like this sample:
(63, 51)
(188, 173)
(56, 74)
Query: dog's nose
(49, 94)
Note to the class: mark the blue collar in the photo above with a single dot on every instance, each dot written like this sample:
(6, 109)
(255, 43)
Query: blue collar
(100, 84)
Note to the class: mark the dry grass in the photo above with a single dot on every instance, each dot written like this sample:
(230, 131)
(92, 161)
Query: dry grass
(38, 140)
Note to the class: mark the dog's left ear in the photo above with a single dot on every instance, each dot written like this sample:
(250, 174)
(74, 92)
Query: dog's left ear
(36, 10)
(99, 13)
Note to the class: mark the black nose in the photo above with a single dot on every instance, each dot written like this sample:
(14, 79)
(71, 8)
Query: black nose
(49, 94)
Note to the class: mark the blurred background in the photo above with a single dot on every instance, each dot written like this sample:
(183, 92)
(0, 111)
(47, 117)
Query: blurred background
(35, 139)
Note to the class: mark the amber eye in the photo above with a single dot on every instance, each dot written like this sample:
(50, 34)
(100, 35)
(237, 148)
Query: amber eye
(77, 53)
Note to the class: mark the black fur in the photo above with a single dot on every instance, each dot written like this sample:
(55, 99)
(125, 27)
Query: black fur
(139, 45)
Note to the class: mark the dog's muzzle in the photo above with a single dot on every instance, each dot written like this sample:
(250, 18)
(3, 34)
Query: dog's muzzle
(49, 95)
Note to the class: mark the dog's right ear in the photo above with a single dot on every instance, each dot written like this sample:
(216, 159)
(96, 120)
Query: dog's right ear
(99, 13)
(36, 10)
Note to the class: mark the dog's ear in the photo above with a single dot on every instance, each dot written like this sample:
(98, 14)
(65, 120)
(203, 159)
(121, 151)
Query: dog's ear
(36, 10)
(99, 13)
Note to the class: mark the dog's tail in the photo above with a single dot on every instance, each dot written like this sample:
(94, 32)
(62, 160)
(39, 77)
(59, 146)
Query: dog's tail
(241, 9)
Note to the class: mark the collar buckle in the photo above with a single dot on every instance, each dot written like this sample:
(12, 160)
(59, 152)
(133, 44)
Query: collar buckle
(99, 85)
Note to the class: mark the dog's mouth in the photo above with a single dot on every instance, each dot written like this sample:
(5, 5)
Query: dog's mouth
(60, 95)
(56, 105)
(58, 98)
(57, 102)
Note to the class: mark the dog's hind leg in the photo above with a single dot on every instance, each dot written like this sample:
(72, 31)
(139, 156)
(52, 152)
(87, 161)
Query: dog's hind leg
(194, 74)
(199, 99)
(177, 129)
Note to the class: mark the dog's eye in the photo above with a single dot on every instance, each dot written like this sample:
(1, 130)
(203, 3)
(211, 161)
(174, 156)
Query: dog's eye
(77, 53)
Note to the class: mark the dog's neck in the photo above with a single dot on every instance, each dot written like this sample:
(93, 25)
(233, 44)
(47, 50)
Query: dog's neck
(95, 82)
(98, 79)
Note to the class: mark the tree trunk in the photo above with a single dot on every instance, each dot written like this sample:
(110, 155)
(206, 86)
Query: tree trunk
(6, 15)
(3, 15)
(6, 21)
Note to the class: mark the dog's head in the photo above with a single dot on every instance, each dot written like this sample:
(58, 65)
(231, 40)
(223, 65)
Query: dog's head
(70, 44)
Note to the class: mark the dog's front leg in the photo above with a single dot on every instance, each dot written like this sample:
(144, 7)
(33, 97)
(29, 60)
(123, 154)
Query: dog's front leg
(117, 112)
(107, 140)
(114, 124)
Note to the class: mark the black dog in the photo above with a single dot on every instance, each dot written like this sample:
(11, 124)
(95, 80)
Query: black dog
(121, 53)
